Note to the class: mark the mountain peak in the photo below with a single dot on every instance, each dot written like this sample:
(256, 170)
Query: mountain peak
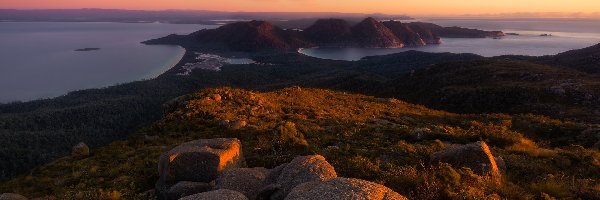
(372, 33)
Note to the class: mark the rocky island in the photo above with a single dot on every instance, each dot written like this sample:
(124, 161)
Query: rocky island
(88, 49)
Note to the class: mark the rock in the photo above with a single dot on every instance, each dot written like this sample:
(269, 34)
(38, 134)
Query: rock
(222, 194)
(248, 181)
(215, 97)
(186, 188)
(238, 124)
(342, 189)
(476, 156)
(198, 161)
(80, 150)
(12, 196)
(201, 160)
(301, 170)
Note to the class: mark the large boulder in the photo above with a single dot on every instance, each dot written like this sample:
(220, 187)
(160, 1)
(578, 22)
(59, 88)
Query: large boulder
(300, 170)
(248, 181)
(12, 196)
(201, 160)
(186, 188)
(222, 194)
(342, 189)
(197, 161)
(476, 156)
(80, 150)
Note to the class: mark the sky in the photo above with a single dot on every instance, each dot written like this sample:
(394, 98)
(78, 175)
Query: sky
(428, 7)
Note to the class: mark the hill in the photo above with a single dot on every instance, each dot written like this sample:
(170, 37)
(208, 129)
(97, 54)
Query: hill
(501, 86)
(382, 140)
(586, 59)
(34, 133)
(369, 33)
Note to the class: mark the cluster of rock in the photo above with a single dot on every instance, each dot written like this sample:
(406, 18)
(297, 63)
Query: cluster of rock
(215, 169)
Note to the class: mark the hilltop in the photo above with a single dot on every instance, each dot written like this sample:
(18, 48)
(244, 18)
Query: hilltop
(382, 140)
(369, 33)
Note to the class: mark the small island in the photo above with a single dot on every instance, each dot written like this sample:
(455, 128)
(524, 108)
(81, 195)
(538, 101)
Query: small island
(88, 49)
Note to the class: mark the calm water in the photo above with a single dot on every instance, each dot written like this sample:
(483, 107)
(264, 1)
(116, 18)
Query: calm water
(38, 59)
(567, 35)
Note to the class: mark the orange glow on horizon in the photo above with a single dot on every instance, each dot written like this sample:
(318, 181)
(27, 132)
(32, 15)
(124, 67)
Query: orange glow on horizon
(431, 7)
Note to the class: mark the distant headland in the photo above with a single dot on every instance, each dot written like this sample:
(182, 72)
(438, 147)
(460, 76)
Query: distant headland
(368, 33)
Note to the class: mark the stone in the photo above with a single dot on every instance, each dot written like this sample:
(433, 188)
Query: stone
(248, 181)
(80, 150)
(197, 161)
(342, 189)
(201, 160)
(476, 156)
(216, 97)
(300, 170)
(12, 196)
(187, 188)
(238, 124)
(222, 194)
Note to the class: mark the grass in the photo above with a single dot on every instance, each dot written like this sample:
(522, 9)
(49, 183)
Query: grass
(362, 136)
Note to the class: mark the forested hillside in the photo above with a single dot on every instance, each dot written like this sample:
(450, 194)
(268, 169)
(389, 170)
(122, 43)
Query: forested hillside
(37, 132)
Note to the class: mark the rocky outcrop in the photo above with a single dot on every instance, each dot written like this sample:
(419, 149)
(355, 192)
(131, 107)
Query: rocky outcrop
(222, 194)
(476, 156)
(12, 196)
(248, 181)
(342, 189)
(372, 33)
(197, 161)
(187, 172)
(80, 150)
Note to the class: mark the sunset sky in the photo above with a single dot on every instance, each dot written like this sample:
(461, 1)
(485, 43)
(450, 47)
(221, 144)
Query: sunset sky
(429, 7)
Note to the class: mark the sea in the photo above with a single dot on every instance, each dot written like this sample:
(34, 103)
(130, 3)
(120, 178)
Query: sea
(39, 59)
(562, 35)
